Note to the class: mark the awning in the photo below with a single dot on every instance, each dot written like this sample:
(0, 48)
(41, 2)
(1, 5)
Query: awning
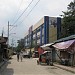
(46, 52)
(46, 46)
(64, 45)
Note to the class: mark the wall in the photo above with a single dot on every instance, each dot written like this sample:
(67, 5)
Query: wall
(40, 22)
(49, 30)
(52, 29)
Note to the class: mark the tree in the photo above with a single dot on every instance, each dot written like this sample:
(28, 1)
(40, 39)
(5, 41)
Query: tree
(20, 45)
(69, 20)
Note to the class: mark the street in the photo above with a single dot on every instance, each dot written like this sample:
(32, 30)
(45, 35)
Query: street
(30, 67)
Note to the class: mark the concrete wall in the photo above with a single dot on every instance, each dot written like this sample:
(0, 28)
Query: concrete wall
(38, 24)
(52, 29)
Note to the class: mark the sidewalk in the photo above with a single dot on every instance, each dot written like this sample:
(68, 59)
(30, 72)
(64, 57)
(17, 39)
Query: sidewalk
(67, 68)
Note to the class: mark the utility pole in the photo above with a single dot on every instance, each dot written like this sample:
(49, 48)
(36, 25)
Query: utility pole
(74, 5)
(8, 34)
(2, 31)
(12, 44)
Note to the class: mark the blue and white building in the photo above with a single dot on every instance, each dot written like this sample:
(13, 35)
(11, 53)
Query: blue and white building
(47, 30)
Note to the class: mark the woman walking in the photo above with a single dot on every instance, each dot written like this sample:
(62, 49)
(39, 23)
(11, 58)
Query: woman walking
(21, 54)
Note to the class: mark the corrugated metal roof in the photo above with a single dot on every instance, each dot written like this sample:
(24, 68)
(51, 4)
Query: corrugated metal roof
(46, 46)
(65, 39)
(64, 45)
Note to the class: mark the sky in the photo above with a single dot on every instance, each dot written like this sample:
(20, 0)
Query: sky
(11, 10)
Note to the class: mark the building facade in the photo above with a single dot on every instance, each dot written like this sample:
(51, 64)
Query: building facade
(47, 30)
(3, 48)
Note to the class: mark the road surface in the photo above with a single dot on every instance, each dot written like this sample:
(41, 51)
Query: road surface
(30, 67)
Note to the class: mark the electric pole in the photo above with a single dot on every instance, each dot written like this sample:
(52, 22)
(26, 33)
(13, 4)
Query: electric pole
(12, 44)
(8, 34)
(2, 31)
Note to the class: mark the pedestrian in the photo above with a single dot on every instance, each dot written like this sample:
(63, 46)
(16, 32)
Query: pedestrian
(21, 56)
(18, 56)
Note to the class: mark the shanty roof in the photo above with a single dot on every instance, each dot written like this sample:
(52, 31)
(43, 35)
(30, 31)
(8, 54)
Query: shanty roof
(65, 39)
(64, 45)
(46, 46)
(3, 39)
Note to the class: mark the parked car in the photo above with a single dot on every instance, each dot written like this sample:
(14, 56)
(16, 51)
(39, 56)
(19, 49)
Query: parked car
(26, 55)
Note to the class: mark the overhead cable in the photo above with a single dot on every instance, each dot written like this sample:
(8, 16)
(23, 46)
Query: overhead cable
(23, 12)
(17, 10)
(21, 15)
(30, 11)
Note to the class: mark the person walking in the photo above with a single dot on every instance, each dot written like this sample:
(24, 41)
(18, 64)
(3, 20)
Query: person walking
(18, 56)
(21, 56)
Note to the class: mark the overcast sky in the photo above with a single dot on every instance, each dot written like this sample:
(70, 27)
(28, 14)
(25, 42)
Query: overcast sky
(10, 10)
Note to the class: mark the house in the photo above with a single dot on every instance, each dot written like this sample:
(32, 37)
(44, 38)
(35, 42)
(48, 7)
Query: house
(65, 50)
(62, 50)
(3, 47)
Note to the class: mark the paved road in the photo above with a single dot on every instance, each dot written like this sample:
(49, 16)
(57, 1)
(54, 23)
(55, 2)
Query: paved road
(30, 67)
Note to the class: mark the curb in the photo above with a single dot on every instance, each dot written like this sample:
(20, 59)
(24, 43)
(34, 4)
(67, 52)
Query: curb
(64, 68)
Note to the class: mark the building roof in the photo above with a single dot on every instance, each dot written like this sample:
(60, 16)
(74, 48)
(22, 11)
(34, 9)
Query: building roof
(3, 39)
(65, 39)
(46, 52)
(46, 46)
(64, 45)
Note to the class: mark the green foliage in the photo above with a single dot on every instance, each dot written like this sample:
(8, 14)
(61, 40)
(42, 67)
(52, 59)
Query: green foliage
(20, 45)
(69, 20)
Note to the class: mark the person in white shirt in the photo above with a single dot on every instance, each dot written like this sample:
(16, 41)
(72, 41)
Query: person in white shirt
(21, 56)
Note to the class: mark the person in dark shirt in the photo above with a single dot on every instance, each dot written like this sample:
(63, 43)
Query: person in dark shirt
(18, 56)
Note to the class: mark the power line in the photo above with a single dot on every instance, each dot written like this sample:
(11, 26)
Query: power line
(18, 10)
(23, 12)
(30, 11)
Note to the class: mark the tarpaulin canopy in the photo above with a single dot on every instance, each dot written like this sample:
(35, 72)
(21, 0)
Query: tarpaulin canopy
(64, 45)
(46, 46)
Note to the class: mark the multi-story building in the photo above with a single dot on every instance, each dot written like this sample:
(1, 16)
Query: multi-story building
(47, 30)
